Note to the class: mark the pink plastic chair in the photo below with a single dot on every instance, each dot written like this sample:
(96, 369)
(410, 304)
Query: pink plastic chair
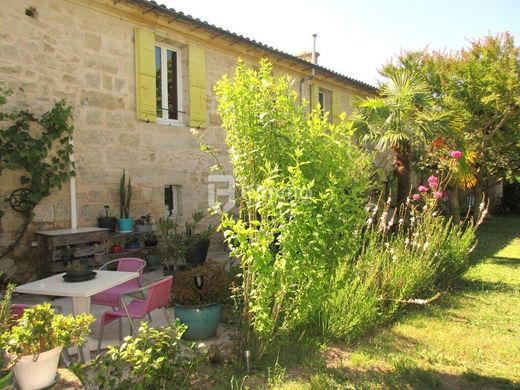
(112, 296)
(158, 295)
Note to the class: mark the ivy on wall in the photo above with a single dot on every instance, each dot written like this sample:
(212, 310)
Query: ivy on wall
(40, 148)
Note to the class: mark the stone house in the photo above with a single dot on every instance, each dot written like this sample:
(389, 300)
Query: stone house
(140, 77)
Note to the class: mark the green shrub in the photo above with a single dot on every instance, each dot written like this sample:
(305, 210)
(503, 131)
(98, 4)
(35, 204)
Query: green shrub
(303, 185)
(155, 359)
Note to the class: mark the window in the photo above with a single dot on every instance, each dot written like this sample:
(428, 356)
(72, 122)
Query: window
(172, 200)
(325, 100)
(168, 92)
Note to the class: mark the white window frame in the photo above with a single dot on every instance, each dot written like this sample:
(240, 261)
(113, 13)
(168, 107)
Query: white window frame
(164, 120)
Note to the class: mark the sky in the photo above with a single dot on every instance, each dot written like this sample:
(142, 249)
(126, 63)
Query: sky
(355, 38)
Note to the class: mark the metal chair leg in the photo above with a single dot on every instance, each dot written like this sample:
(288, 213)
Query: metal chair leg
(100, 338)
(120, 330)
(166, 315)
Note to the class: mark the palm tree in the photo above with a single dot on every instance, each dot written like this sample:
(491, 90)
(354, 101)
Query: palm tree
(402, 118)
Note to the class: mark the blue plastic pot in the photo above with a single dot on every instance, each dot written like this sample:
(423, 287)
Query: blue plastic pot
(202, 321)
(126, 225)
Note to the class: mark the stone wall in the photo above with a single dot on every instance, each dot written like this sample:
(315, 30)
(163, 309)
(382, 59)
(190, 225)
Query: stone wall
(83, 51)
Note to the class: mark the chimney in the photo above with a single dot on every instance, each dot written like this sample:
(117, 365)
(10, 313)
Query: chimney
(310, 56)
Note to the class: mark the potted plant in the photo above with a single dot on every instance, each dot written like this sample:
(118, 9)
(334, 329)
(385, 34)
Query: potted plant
(99, 253)
(133, 244)
(125, 223)
(144, 224)
(197, 295)
(197, 242)
(107, 221)
(33, 345)
(150, 240)
(187, 246)
(171, 244)
(6, 374)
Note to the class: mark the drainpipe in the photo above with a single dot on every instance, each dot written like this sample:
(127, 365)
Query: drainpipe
(73, 211)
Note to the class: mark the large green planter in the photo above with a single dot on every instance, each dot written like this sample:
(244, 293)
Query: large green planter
(202, 321)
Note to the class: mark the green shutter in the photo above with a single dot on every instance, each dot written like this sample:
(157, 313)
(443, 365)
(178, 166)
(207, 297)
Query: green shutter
(146, 102)
(336, 107)
(197, 77)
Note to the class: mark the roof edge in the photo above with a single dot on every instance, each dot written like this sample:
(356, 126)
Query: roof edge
(151, 5)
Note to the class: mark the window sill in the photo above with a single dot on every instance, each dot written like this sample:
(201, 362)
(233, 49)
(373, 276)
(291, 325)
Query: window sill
(169, 122)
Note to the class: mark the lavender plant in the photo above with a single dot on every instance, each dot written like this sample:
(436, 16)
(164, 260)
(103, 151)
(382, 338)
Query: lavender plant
(404, 254)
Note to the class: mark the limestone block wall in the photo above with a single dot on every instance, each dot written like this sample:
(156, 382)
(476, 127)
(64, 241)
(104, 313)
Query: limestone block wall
(83, 51)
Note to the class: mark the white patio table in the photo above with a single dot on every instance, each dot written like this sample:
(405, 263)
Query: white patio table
(80, 292)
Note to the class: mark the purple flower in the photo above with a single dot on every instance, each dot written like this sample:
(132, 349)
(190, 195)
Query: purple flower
(423, 189)
(456, 154)
(433, 181)
(416, 197)
(438, 194)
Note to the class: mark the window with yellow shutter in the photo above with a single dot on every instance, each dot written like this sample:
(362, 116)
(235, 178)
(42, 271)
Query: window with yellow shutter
(168, 89)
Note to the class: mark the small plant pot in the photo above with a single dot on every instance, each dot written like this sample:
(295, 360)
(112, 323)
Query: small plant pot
(126, 225)
(37, 374)
(132, 245)
(202, 321)
(152, 260)
(143, 228)
(150, 243)
(108, 223)
(78, 274)
(198, 253)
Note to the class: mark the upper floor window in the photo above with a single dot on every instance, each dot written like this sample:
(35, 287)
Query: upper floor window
(325, 100)
(168, 84)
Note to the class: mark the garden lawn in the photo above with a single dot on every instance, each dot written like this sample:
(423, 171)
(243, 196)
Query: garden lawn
(468, 339)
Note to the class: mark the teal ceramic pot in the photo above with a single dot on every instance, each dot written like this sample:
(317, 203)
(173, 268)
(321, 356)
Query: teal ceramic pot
(152, 260)
(126, 225)
(202, 321)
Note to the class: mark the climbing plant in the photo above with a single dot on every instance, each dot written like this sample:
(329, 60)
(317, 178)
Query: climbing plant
(40, 148)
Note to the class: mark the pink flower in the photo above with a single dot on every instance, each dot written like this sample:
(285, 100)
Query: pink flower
(438, 194)
(423, 189)
(416, 197)
(456, 154)
(433, 181)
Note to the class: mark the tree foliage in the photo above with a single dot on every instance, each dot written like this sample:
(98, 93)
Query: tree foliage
(480, 86)
(303, 187)
(402, 119)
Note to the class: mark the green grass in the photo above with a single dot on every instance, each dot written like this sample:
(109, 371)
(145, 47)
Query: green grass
(469, 339)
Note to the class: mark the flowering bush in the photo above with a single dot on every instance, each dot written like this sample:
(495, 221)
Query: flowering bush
(403, 254)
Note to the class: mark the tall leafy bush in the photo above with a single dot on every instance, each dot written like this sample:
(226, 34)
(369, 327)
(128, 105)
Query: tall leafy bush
(303, 185)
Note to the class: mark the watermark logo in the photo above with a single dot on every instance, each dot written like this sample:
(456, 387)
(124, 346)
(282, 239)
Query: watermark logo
(221, 192)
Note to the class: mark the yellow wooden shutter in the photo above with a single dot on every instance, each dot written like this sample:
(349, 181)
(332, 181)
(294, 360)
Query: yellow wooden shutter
(315, 101)
(197, 77)
(146, 100)
(336, 107)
